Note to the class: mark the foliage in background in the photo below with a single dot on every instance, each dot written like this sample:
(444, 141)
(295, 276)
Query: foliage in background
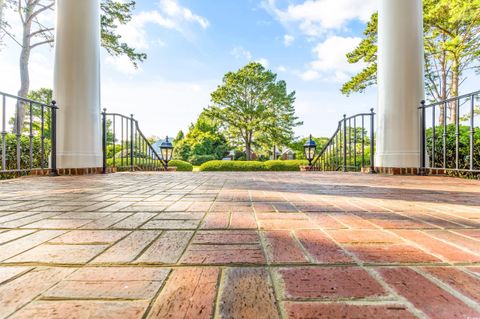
(203, 142)
(251, 166)
(36, 34)
(11, 152)
(181, 166)
(452, 47)
(142, 163)
(234, 166)
(464, 147)
(285, 166)
(180, 136)
(254, 108)
(297, 145)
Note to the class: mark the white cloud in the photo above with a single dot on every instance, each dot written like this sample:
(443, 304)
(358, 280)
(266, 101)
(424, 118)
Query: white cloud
(122, 64)
(316, 17)
(263, 62)
(310, 75)
(288, 40)
(240, 53)
(331, 62)
(169, 16)
(281, 68)
(135, 34)
(179, 13)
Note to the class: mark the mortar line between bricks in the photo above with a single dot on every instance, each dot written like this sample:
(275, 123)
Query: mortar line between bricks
(108, 227)
(310, 258)
(23, 236)
(444, 213)
(16, 276)
(139, 227)
(3, 260)
(436, 227)
(451, 290)
(37, 297)
(455, 231)
(104, 250)
(424, 249)
(157, 294)
(216, 313)
(190, 242)
(142, 251)
(245, 265)
(471, 273)
(372, 272)
(452, 244)
(379, 205)
(263, 245)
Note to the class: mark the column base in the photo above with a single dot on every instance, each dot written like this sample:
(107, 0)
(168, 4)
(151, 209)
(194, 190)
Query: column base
(409, 171)
(79, 161)
(73, 171)
(398, 159)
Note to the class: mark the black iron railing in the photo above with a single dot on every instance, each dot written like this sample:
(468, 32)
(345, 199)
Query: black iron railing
(125, 147)
(27, 142)
(351, 147)
(450, 134)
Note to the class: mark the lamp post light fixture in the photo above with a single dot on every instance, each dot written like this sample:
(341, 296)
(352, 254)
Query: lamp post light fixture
(166, 151)
(310, 148)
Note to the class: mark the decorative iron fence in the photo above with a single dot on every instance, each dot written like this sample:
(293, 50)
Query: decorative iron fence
(28, 136)
(351, 147)
(450, 134)
(125, 147)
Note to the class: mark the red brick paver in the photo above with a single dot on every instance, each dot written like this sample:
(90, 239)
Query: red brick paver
(240, 245)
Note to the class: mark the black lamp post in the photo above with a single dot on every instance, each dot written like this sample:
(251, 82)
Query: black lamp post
(310, 148)
(166, 150)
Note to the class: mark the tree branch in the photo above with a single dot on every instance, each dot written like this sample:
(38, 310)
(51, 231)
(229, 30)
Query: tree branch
(11, 36)
(41, 43)
(41, 31)
(44, 8)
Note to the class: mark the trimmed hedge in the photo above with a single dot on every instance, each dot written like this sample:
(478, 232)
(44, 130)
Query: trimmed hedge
(181, 166)
(198, 160)
(250, 166)
(234, 166)
(285, 166)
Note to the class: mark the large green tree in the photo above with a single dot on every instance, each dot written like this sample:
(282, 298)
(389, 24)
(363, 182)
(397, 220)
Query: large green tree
(452, 46)
(203, 142)
(35, 34)
(254, 107)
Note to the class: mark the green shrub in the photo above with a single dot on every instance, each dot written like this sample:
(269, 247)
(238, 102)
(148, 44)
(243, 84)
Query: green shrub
(141, 162)
(285, 166)
(463, 147)
(146, 164)
(181, 166)
(233, 166)
(200, 159)
(11, 152)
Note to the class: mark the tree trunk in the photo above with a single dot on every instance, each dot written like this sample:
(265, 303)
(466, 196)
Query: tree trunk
(248, 151)
(24, 72)
(454, 91)
(443, 97)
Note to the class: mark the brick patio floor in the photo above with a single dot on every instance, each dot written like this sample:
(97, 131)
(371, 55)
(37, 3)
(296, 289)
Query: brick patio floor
(240, 245)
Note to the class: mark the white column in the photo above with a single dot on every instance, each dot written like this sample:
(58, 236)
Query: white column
(400, 82)
(77, 84)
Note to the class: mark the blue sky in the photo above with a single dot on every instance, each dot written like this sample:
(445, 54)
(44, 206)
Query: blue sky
(191, 44)
(212, 37)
